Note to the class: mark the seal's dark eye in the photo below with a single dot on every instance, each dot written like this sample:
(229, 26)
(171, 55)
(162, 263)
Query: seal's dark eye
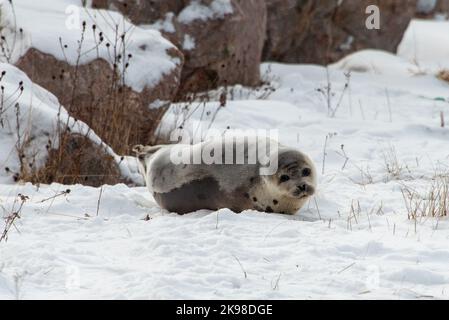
(141, 157)
(284, 178)
(306, 172)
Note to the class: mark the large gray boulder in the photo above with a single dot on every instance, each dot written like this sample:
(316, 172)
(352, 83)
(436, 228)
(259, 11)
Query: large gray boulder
(324, 31)
(222, 40)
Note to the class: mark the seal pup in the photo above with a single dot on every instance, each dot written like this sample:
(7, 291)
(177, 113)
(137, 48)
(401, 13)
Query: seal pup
(184, 187)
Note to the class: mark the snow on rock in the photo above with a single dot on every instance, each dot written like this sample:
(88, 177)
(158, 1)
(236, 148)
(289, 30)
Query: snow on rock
(165, 25)
(63, 20)
(26, 114)
(217, 9)
(222, 40)
(29, 120)
(188, 43)
(71, 51)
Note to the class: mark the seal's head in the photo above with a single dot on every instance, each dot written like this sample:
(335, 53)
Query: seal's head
(296, 175)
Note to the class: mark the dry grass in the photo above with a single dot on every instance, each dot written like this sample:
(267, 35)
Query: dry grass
(393, 166)
(434, 202)
(182, 113)
(334, 101)
(356, 213)
(77, 161)
(15, 213)
(99, 96)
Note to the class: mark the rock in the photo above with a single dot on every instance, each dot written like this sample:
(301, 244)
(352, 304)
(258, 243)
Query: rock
(40, 143)
(142, 12)
(121, 116)
(288, 22)
(112, 75)
(324, 31)
(443, 8)
(222, 40)
(77, 160)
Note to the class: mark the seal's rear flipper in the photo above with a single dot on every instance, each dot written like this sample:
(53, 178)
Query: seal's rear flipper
(146, 150)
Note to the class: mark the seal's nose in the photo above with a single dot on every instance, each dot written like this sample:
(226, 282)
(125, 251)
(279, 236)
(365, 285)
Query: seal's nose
(305, 188)
(310, 190)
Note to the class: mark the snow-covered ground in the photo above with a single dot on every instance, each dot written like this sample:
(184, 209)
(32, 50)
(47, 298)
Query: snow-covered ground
(381, 136)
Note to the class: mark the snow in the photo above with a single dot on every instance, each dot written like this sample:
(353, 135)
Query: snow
(66, 251)
(37, 107)
(36, 124)
(353, 240)
(423, 44)
(217, 9)
(188, 43)
(377, 61)
(148, 47)
(165, 25)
